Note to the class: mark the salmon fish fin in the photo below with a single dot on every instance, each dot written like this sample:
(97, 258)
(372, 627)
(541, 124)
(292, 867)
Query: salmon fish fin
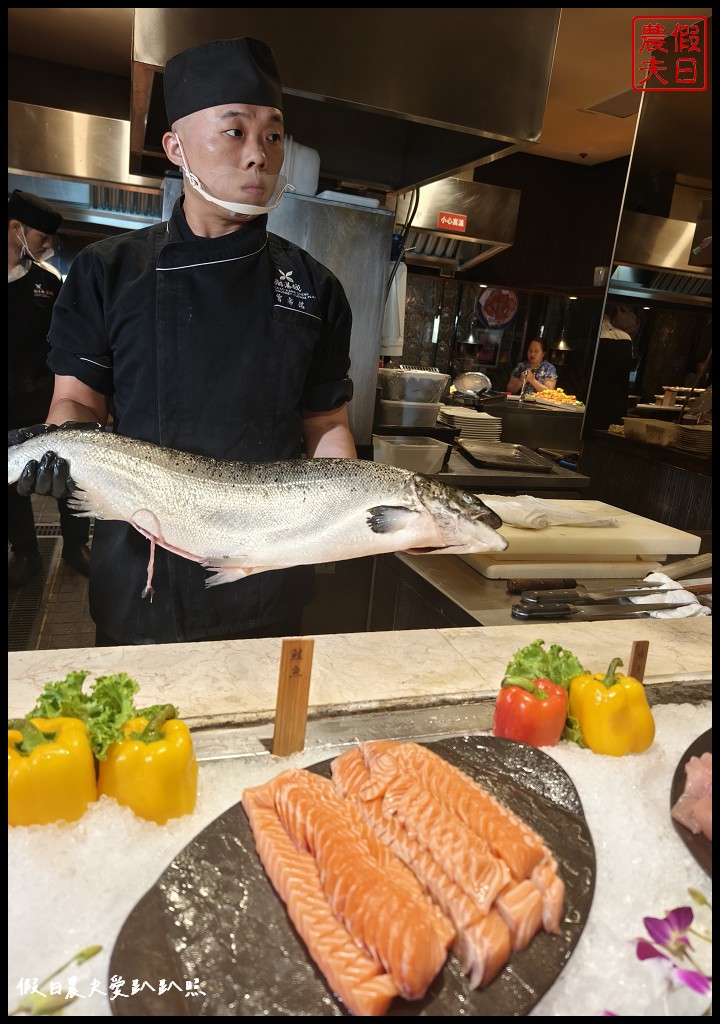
(388, 518)
(90, 504)
(231, 574)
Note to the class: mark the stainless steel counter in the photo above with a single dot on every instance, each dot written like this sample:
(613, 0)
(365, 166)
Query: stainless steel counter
(558, 483)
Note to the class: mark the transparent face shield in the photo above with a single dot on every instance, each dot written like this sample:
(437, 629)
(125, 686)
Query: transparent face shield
(242, 192)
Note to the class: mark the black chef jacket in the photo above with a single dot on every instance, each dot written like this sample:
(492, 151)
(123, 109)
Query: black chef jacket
(210, 346)
(30, 383)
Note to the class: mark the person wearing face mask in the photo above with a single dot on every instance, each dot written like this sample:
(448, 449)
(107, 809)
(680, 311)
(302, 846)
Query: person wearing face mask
(212, 336)
(535, 374)
(33, 287)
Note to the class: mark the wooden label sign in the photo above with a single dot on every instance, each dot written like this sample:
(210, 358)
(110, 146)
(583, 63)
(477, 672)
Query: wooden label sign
(638, 659)
(292, 698)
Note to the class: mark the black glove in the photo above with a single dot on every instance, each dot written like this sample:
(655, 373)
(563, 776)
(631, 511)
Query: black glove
(51, 475)
(25, 433)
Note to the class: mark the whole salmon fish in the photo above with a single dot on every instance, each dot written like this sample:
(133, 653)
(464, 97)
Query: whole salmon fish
(240, 518)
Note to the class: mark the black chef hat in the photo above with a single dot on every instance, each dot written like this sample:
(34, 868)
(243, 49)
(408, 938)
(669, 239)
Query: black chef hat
(226, 71)
(33, 212)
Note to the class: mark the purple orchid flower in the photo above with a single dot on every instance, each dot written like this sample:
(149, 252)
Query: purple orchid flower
(670, 932)
(700, 983)
(670, 942)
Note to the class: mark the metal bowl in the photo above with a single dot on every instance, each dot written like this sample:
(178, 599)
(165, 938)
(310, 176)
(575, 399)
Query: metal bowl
(411, 385)
(472, 383)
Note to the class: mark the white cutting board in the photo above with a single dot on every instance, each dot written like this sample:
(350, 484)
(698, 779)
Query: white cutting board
(495, 569)
(635, 546)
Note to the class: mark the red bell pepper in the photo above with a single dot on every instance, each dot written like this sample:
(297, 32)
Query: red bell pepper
(531, 711)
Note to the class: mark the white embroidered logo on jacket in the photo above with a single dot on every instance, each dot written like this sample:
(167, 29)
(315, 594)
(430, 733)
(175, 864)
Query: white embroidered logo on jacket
(289, 292)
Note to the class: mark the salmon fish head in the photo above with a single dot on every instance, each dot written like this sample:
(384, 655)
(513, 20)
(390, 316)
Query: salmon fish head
(464, 523)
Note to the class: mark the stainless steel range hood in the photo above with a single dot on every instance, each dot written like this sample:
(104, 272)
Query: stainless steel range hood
(455, 224)
(79, 162)
(391, 98)
(651, 262)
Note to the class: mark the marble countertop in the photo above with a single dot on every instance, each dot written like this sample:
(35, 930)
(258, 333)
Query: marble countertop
(235, 682)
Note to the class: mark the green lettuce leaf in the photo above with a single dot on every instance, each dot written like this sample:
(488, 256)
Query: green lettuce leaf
(534, 662)
(104, 709)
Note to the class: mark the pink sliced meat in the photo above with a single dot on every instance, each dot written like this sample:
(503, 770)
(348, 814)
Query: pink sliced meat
(693, 808)
(698, 776)
(702, 812)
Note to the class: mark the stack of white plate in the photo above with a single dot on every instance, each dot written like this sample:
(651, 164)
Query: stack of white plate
(693, 439)
(479, 425)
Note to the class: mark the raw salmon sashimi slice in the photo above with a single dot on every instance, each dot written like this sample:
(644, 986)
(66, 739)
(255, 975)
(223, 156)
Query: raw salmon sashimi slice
(546, 879)
(375, 899)
(380, 902)
(352, 975)
(483, 943)
(395, 784)
(520, 907)
(465, 857)
(507, 835)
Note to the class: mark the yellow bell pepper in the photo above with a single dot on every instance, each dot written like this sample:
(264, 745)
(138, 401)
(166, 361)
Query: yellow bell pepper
(153, 769)
(612, 712)
(51, 770)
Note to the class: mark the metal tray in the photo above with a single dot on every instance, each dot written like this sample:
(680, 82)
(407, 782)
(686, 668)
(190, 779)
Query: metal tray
(500, 455)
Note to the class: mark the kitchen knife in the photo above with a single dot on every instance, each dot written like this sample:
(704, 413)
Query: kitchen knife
(531, 612)
(519, 585)
(585, 596)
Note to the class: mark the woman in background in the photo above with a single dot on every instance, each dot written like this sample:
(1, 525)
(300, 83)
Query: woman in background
(535, 374)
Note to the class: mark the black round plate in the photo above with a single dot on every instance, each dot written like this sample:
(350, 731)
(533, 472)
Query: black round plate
(214, 916)
(698, 845)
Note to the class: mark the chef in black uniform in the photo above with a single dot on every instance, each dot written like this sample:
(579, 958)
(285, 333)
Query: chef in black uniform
(209, 335)
(33, 287)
